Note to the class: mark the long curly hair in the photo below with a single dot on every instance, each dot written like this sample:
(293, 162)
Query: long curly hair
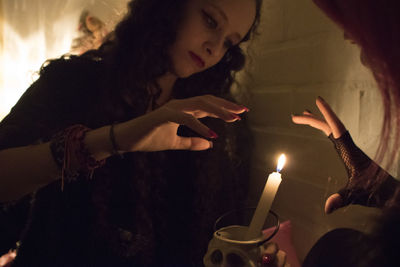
(137, 52)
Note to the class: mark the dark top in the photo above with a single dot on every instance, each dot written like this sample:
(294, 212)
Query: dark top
(153, 208)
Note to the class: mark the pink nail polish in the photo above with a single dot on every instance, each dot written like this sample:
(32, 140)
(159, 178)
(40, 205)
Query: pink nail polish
(246, 109)
(237, 117)
(212, 134)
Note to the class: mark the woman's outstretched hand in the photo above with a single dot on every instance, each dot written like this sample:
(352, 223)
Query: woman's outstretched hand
(157, 130)
(359, 186)
(330, 125)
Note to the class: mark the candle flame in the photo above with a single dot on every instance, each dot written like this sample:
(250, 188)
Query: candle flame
(281, 162)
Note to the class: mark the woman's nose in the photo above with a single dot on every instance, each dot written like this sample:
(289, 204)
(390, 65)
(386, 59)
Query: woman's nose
(214, 46)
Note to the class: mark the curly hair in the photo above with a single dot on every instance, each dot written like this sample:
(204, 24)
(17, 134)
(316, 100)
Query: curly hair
(137, 52)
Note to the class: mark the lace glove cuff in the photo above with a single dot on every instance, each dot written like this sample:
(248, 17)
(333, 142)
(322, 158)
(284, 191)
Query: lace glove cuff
(368, 184)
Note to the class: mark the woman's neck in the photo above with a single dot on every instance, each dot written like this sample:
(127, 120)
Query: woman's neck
(166, 83)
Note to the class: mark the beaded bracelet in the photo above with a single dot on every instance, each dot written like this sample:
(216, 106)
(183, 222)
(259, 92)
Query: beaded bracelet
(68, 143)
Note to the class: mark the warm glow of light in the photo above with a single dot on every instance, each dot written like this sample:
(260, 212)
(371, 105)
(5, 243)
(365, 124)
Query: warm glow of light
(281, 162)
(22, 57)
(33, 31)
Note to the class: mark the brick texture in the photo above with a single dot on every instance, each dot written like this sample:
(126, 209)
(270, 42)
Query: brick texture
(298, 56)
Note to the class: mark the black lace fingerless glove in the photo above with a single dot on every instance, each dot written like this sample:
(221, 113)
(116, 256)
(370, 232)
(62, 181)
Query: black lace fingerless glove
(368, 184)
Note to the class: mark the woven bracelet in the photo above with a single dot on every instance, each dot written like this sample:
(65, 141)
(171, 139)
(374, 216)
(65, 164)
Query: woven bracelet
(68, 143)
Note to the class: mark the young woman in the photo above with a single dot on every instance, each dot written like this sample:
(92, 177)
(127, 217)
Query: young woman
(375, 27)
(80, 138)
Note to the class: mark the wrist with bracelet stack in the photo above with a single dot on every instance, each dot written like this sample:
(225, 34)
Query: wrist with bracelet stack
(69, 144)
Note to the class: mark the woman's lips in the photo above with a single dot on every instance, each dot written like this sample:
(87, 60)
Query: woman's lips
(199, 62)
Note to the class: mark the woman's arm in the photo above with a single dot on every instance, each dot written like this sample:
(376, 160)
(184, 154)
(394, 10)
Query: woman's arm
(49, 105)
(27, 168)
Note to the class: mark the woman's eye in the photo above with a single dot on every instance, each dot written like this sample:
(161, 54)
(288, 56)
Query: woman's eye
(210, 21)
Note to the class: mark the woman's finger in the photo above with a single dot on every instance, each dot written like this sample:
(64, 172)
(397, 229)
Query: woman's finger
(332, 120)
(206, 108)
(201, 107)
(313, 122)
(226, 104)
(192, 143)
(191, 122)
(191, 104)
(333, 202)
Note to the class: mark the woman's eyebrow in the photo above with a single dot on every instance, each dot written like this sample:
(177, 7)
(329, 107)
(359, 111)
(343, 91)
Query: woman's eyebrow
(223, 15)
(220, 11)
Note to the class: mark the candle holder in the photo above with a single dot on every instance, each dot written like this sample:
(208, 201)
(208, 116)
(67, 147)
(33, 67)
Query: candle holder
(229, 247)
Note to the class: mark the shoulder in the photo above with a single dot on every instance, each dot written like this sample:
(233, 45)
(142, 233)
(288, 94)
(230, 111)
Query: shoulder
(68, 67)
(64, 84)
(69, 77)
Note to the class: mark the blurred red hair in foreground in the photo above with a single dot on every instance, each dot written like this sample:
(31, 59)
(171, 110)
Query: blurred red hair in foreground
(375, 27)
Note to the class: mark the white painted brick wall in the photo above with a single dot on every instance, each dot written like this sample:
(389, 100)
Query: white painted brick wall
(300, 55)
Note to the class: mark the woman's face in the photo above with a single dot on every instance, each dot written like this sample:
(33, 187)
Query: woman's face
(208, 29)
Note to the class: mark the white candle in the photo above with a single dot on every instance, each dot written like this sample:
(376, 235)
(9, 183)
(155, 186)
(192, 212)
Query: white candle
(265, 202)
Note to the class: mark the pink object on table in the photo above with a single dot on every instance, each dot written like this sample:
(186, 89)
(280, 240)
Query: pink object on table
(284, 240)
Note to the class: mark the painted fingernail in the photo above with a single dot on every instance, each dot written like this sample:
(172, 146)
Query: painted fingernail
(307, 110)
(212, 134)
(266, 259)
(246, 109)
(237, 117)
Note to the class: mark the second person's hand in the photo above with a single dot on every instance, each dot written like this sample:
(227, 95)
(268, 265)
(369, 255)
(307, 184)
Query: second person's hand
(329, 124)
(355, 161)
